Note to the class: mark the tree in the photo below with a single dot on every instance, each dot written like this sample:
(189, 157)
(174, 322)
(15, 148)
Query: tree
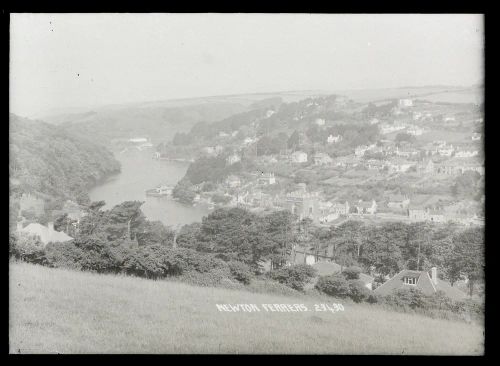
(294, 141)
(467, 258)
(296, 276)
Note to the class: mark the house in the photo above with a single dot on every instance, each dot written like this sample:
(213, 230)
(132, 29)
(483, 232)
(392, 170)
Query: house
(374, 164)
(405, 103)
(269, 113)
(322, 159)
(233, 181)
(398, 201)
(223, 134)
(466, 153)
(374, 121)
(303, 204)
(249, 140)
(360, 150)
(428, 284)
(213, 150)
(414, 130)
(232, 159)
(341, 209)
(319, 121)
(46, 234)
(446, 150)
(369, 208)
(406, 152)
(266, 178)
(333, 139)
(138, 140)
(299, 157)
(328, 217)
(458, 166)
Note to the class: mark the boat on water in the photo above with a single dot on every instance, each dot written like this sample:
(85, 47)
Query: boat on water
(160, 191)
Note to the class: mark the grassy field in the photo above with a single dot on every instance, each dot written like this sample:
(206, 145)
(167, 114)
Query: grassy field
(59, 311)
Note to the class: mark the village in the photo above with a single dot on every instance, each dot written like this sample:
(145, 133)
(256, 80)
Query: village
(411, 171)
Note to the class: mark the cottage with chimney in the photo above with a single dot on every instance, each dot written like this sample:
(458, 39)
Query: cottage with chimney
(429, 284)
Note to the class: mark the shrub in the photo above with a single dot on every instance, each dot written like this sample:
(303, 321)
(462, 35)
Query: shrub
(295, 276)
(372, 299)
(241, 272)
(28, 248)
(63, 255)
(352, 273)
(334, 285)
(412, 298)
(270, 286)
(357, 291)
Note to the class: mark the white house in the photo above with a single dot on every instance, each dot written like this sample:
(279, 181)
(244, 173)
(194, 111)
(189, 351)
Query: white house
(46, 234)
(369, 208)
(374, 121)
(299, 157)
(405, 103)
(476, 136)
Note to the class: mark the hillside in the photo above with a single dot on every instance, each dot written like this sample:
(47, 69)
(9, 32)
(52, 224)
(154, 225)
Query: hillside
(59, 311)
(52, 163)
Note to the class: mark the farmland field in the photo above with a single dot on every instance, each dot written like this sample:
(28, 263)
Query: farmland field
(60, 311)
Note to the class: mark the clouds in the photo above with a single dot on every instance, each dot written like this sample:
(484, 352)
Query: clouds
(140, 57)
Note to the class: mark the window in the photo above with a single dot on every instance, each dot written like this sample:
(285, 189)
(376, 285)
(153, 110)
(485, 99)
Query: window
(410, 280)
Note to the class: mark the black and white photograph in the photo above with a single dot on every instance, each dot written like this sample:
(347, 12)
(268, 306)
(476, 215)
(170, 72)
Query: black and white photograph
(246, 183)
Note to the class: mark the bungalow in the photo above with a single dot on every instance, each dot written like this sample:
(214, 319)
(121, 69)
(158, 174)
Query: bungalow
(232, 159)
(298, 157)
(428, 284)
(46, 234)
(369, 208)
(322, 159)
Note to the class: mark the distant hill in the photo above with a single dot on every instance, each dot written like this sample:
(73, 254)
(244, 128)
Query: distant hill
(51, 163)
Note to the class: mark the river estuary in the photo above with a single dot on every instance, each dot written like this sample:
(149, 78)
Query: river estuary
(139, 172)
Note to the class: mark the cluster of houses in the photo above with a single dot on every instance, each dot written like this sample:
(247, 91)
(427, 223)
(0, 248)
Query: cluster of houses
(426, 281)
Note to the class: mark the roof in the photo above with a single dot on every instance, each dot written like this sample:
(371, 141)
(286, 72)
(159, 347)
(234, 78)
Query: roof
(424, 283)
(364, 204)
(46, 235)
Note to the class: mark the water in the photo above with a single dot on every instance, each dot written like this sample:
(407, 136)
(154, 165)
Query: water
(139, 172)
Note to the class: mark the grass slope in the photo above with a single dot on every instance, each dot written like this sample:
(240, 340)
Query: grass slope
(59, 311)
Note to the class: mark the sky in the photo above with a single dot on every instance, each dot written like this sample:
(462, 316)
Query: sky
(60, 61)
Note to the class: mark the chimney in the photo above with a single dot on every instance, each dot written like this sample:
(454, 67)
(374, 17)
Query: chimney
(434, 275)
(51, 227)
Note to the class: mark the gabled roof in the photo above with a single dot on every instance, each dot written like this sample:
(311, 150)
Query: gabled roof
(424, 283)
(46, 235)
